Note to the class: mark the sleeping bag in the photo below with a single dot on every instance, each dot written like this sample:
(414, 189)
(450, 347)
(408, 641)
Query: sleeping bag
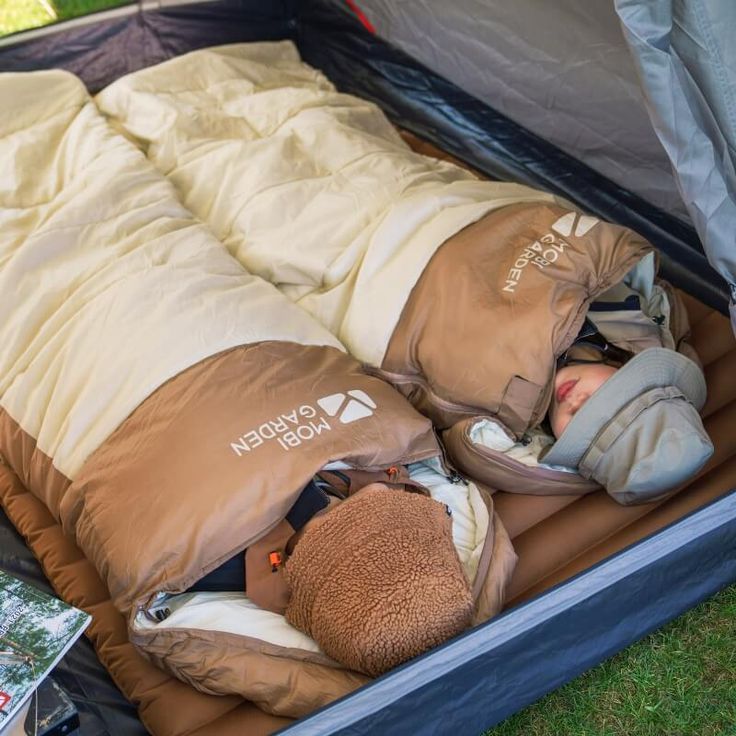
(462, 293)
(168, 407)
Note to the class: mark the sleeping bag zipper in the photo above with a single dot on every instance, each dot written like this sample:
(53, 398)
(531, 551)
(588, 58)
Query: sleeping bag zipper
(400, 379)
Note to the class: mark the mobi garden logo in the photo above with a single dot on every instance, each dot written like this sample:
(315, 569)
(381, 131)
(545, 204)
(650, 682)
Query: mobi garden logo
(547, 249)
(307, 421)
(356, 405)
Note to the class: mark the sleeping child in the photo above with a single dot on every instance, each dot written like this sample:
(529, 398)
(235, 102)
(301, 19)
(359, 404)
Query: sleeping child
(375, 570)
(629, 421)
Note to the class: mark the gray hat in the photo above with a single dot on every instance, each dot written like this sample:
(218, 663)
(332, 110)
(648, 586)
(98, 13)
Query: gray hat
(640, 435)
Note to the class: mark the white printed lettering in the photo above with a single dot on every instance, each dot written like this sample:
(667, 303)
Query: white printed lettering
(540, 255)
(291, 439)
(240, 447)
(267, 431)
(253, 439)
(305, 432)
(304, 423)
(279, 425)
(321, 425)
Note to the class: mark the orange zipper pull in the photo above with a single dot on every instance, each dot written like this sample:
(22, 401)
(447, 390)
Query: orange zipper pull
(276, 559)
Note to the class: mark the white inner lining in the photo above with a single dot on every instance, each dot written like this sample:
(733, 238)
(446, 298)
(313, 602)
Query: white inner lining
(492, 435)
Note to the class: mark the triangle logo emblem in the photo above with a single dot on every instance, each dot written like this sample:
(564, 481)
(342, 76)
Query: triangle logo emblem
(585, 223)
(564, 226)
(331, 404)
(351, 407)
(355, 410)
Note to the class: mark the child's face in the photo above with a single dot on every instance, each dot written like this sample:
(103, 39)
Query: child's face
(574, 385)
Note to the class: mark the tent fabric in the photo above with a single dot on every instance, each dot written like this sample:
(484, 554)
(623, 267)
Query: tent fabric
(561, 69)
(102, 47)
(686, 59)
(417, 99)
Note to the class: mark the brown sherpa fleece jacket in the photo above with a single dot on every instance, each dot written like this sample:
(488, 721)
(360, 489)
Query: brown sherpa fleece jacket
(377, 580)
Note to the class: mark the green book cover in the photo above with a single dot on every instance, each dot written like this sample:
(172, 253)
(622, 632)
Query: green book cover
(36, 630)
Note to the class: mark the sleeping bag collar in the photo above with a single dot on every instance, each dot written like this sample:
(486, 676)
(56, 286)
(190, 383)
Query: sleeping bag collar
(640, 435)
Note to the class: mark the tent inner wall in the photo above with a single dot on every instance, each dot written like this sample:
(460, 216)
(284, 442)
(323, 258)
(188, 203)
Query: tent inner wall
(425, 103)
(562, 70)
(102, 47)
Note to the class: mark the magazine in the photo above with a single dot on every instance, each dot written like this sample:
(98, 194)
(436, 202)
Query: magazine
(36, 630)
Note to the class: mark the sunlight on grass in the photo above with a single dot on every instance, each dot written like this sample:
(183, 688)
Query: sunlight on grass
(19, 15)
(679, 681)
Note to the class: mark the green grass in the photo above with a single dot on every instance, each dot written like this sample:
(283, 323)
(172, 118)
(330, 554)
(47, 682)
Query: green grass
(679, 681)
(18, 15)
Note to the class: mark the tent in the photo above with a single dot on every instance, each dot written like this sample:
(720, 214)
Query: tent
(564, 98)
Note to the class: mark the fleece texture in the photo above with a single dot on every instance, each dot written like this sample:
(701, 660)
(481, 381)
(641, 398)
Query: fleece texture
(377, 580)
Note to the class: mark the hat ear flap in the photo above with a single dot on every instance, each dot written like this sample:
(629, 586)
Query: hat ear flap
(655, 455)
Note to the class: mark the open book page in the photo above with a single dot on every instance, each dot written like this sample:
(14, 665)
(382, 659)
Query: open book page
(36, 630)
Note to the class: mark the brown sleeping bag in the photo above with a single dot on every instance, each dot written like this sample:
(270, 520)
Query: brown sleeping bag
(463, 293)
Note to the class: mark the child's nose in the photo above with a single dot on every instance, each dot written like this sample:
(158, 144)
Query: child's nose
(577, 400)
